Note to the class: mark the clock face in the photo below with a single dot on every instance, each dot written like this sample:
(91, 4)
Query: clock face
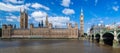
(81, 18)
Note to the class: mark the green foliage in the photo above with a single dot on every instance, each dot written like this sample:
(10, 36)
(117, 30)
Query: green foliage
(85, 34)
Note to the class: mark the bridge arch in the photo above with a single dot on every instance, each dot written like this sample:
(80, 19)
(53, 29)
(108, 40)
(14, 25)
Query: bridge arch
(92, 37)
(108, 38)
(97, 37)
(110, 32)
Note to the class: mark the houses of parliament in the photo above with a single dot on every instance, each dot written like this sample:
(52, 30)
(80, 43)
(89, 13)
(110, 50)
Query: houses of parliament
(47, 31)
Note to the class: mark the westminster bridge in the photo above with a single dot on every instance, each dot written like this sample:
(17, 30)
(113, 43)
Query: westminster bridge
(105, 36)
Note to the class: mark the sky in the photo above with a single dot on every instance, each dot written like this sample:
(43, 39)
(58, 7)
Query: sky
(61, 12)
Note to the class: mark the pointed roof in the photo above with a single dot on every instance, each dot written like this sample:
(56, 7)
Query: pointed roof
(46, 17)
(81, 11)
(22, 9)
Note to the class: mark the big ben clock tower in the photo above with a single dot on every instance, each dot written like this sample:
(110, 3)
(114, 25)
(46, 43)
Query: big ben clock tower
(81, 23)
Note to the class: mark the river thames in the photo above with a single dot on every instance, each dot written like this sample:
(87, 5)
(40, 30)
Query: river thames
(54, 46)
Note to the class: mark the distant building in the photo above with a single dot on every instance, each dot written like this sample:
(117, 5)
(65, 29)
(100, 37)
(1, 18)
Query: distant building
(97, 29)
(41, 31)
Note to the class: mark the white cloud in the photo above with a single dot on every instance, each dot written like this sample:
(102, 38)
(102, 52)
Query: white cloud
(65, 3)
(115, 8)
(99, 24)
(95, 21)
(68, 11)
(12, 18)
(96, 1)
(101, 21)
(38, 15)
(15, 1)
(107, 25)
(118, 23)
(37, 6)
(29, 17)
(11, 8)
(59, 21)
(8, 19)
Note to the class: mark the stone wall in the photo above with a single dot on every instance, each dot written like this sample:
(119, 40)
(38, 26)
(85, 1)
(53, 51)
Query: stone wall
(20, 33)
(41, 33)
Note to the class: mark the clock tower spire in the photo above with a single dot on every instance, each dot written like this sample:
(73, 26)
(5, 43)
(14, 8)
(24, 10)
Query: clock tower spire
(81, 23)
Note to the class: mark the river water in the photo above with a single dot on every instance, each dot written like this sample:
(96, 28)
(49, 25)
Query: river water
(54, 46)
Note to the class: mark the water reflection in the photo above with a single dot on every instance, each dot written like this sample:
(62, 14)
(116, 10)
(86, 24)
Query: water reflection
(54, 46)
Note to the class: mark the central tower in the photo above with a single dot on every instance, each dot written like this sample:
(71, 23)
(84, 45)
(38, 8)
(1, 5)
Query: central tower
(23, 19)
(81, 23)
(46, 21)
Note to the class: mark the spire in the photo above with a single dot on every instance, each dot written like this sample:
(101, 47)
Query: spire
(14, 26)
(46, 21)
(39, 25)
(42, 23)
(22, 10)
(81, 11)
(47, 18)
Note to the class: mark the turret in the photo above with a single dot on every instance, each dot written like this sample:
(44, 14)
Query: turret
(39, 25)
(7, 31)
(50, 25)
(4, 26)
(76, 26)
(9, 27)
(14, 26)
(31, 26)
(69, 26)
(42, 23)
(46, 21)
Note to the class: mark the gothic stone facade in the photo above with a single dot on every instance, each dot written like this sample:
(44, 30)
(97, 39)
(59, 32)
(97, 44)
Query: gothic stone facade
(45, 32)
(40, 32)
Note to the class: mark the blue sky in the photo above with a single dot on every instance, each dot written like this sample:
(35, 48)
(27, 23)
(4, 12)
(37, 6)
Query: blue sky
(61, 12)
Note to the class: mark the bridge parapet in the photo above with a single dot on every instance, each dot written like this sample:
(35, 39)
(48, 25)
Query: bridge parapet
(115, 34)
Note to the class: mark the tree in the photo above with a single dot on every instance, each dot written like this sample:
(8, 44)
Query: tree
(85, 34)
